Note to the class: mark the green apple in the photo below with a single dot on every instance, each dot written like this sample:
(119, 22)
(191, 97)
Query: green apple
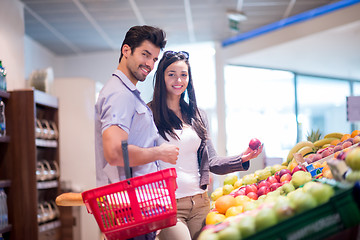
(353, 158)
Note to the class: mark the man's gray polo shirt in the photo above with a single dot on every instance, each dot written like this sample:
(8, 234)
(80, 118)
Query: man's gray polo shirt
(120, 104)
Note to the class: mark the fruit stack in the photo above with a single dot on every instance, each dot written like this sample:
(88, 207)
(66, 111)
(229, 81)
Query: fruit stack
(316, 151)
(237, 217)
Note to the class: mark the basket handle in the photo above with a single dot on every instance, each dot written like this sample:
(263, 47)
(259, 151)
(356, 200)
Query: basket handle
(69, 199)
(124, 146)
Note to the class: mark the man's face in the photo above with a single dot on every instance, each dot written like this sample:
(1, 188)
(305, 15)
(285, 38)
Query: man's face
(141, 61)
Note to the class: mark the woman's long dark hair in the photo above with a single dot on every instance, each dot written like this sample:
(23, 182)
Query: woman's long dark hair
(165, 119)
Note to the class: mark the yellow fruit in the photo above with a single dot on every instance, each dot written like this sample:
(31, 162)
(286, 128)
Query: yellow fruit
(305, 150)
(241, 199)
(278, 167)
(321, 142)
(335, 142)
(214, 218)
(334, 135)
(238, 184)
(227, 189)
(297, 147)
(223, 203)
(216, 194)
(292, 165)
(233, 211)
(230, 179)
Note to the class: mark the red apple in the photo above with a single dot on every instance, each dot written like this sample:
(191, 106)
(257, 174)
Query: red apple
(277, 176)
(254, 143)
(263, 183)
(285, 177)
(284, 171)
(282, 183)
(250, 188)
(263, 191)
(272, 179)
(298, 168)
(252, 195)
(239, 192)
(274, 186)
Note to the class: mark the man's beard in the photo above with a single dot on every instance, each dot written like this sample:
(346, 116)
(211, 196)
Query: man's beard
(139, 76)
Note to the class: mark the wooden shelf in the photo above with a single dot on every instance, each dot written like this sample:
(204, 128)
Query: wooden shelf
(47, 184)
(5, 183)
(21, 154)
(50, 225)
(46, 143)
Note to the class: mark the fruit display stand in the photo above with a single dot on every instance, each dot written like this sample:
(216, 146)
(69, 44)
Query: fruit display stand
(339, 214)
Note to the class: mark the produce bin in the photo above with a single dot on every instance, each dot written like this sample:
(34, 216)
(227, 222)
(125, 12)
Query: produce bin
(339, 213)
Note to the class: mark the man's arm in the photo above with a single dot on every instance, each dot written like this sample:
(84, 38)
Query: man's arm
(112, 138)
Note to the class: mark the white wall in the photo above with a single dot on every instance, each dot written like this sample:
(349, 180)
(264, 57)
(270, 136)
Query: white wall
(96, 66)
(12, 42)
(77, 154)
(36, 57)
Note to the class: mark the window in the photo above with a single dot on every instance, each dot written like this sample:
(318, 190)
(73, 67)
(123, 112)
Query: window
(322, 105)
(260, 103)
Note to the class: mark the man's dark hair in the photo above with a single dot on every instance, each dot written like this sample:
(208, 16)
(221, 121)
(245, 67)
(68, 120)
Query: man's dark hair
(138, 34)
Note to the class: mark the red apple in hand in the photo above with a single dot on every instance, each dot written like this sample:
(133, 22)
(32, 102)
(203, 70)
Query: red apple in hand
(254, 143)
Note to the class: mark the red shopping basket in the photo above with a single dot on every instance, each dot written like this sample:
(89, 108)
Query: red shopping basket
(135, 206)
(131, 207)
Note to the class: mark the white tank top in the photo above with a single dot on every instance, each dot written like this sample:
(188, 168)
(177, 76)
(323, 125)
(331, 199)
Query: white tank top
(187, 167)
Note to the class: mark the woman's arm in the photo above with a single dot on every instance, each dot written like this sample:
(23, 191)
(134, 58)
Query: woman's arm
(224, 165)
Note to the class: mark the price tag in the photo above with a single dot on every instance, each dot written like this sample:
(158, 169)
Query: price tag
(353, 108)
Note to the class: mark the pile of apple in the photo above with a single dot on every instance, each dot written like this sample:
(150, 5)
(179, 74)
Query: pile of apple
(255, 190)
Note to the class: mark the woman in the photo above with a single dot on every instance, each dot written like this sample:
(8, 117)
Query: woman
(181, 123)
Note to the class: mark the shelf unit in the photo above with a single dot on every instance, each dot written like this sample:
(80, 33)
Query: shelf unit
(5, 177)
(26, 192)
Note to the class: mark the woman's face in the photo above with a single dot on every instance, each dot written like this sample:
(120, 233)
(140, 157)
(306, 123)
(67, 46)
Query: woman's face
(176, 78)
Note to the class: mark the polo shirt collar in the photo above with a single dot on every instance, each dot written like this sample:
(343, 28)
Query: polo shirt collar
(125, 80)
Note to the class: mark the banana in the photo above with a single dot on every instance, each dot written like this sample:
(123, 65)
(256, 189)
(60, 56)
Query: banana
(321, 142)
(305, 150)
(297, 147)
(334, 135)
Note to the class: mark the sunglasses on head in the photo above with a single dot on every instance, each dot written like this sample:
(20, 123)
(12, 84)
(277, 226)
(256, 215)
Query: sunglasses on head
(180, 54)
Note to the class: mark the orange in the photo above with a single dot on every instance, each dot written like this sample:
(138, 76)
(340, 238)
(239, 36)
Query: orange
(355, 133)
(292, 165)
(327, 174)
(345, 137)
(214, 218)
(233, 211)
(223, 203)
(316, 164)
(334, 142)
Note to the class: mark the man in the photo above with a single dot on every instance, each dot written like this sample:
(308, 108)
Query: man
(121, 114)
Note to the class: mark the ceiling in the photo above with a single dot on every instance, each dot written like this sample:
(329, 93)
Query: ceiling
(71, 27)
